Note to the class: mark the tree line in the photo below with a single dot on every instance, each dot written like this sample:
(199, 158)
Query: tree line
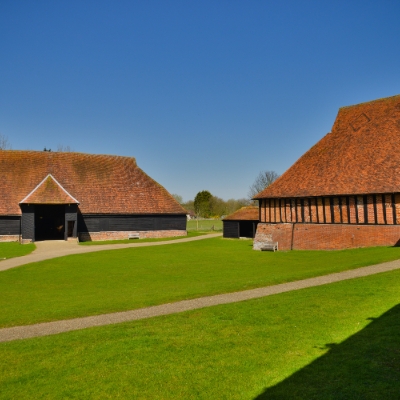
(206, 205)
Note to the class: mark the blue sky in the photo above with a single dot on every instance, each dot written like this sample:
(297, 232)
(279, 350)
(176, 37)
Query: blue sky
(204, 94)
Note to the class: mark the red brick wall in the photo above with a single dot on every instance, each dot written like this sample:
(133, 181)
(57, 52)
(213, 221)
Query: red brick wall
(345, 214)
(120, 235)
(397, 205)
(267, 233)
(352, 206)
(388, 208)
(9, 238)
(326, 236)
(313, 211)
(379, 210)
(320, 208)
(262, 209)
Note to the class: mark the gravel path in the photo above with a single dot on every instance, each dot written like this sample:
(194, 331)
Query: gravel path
(52, 328)
(60, 248)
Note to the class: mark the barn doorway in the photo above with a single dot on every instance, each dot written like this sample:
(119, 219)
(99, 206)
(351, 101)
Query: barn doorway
(246, 229)
(49, 222)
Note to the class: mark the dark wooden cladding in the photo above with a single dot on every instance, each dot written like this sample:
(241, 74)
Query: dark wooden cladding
(377, 209)
(10, 225)
(104, 223)
(71, 215)
(231, 229)
(28, 222)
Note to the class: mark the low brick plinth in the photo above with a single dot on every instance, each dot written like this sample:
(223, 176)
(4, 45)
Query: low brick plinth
(121, 235)
(326, 236)
(9, 238)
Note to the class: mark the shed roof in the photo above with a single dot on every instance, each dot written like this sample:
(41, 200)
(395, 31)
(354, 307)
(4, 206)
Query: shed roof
(102, 184)
(249, 213)
(361, 155)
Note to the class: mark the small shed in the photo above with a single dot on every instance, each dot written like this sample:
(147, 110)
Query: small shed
(242, 223)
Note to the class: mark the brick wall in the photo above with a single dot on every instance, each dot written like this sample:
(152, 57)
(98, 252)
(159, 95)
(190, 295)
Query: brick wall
(9, 238)
(267, 233)
(120, 235)
(326, 236)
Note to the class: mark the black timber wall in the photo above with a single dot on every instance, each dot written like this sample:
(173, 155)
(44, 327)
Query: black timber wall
(10, 225)
(28, 221)
(104, 223)
(230, 229)
(71, 214)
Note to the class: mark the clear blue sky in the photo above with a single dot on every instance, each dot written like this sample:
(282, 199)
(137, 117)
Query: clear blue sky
(205, 94)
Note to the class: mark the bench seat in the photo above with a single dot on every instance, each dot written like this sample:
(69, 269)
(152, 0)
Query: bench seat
(270, 247)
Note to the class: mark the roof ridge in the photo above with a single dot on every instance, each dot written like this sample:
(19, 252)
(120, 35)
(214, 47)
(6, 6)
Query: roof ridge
(370, 101)
(54, 153)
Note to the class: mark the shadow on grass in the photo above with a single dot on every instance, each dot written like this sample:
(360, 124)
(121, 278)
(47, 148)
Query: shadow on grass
(365, 366)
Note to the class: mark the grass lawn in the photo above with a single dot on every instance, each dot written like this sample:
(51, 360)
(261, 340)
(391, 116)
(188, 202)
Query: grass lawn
(339, 341)
(189, 235)
(204, 225)
(117, 280)
(14, 249)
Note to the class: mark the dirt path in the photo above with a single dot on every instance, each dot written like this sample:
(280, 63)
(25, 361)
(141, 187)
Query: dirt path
(52, 328)
(59, 248)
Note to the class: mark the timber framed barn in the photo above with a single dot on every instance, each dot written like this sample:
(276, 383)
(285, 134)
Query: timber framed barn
(241, 223)
(345, 191)
(53, 195)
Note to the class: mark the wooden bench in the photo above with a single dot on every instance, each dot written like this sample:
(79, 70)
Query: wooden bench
(270, 247)
(133, 236)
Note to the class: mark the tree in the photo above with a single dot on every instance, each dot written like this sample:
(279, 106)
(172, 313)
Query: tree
(232, 205)
(217, 207)
(202, 204)
(178, 198)
(263, 180)
(64, 149)
(4, 143)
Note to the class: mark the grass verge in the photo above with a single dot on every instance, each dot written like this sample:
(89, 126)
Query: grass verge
(118, 280)
(339, 341)
(125, 241)
(204, 225)
(15, 249)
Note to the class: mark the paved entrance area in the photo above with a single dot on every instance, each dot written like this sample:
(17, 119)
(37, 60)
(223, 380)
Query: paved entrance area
(58, 248)
(52, 328)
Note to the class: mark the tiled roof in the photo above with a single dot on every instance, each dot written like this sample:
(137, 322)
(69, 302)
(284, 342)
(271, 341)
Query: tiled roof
(249, 213)
(102, 184)
(49, 191)
(361, 155)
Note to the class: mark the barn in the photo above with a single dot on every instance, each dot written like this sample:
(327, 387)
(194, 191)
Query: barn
(345, 191)
(60, 195)
(242, 223)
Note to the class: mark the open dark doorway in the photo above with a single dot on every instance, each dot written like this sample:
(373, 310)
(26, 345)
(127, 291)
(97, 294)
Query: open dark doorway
(246, 229)
(49, 222)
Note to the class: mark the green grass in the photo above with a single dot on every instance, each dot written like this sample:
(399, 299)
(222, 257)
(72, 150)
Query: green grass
(117, 280)
(338, 341)
(14, 249)
(124, 241)
(204, 225)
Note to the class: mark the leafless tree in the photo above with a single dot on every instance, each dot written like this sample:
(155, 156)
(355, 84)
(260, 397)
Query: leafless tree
(263, 180)
(63, 148)
(4, 143)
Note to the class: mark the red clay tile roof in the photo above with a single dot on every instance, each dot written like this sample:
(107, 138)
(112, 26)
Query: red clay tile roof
(102, 184)
(49, 191)
(361, 155)
(249, 213)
